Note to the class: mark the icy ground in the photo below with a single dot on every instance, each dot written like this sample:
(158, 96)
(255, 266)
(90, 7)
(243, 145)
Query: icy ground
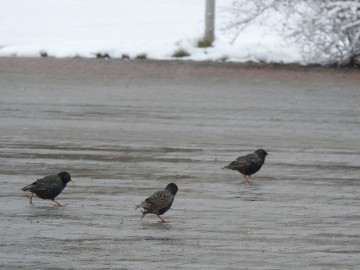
(125, 129)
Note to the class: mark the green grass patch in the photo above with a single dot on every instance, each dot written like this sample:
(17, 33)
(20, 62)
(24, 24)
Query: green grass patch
(141, 56)
(204, 44)
(181, 53)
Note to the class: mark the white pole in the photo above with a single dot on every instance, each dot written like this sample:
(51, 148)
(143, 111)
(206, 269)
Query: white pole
(209, 21)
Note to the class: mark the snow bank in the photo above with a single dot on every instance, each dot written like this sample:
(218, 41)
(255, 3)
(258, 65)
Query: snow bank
(119, 28)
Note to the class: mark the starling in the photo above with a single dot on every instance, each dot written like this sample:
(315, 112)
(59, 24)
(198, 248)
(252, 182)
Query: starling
(49, 187)
(159, 202)
(249, 164)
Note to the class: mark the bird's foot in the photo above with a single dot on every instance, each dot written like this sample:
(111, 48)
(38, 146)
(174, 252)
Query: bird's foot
(57, 204)
(162, 220)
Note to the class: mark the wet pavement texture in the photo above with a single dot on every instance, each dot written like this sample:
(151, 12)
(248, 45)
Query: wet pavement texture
(125, 129)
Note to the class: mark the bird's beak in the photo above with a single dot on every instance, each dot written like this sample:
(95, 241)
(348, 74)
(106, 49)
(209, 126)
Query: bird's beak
(269, 153)
(72, 181)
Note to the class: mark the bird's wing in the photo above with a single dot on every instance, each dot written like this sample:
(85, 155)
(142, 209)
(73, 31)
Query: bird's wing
(45, 183)
(243, 161)
(239, 162)
(249, 157)
(253, 159)
(160, 199)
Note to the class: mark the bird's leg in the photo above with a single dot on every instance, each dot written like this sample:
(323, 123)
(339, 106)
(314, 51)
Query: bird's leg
(30, 198)
(248, 179)
(56, 203)
(246, 182)
(163, 220)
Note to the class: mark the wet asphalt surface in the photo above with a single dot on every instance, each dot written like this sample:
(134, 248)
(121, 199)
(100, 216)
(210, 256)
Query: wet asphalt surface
(125, 129)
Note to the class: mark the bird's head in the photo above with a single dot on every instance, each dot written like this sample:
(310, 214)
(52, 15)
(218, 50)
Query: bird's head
(261, 153)
(173, 188)
(65, 177)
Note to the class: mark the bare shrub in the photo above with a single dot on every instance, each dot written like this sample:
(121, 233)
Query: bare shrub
(327, 32)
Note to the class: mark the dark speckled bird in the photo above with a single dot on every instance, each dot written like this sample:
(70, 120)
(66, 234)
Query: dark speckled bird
(49, 187)
(159, 202)
(249, 164)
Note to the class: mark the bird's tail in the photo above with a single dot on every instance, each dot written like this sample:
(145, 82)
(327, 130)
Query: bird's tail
(27, 188)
